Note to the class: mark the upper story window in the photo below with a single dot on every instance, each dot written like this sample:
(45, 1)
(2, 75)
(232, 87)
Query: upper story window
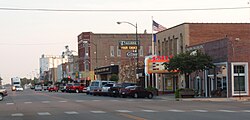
(118, 52)
(112, 51)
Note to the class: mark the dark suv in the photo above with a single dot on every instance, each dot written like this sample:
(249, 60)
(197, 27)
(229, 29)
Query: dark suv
(3, 92)
(115, 90)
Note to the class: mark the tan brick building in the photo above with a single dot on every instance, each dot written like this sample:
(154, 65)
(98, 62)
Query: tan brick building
(178, 38)
(102, 52)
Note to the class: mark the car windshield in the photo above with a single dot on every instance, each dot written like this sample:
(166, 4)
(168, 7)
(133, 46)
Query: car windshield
(94, 84)
(108, 85)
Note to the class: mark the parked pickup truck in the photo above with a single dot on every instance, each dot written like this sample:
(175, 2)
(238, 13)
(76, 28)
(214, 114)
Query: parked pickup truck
(75, 87)
(3, 92)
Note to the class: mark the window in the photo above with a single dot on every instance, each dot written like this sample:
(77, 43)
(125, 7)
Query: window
(112, 51)
(141, 51)
(149, 50)
(118, 52)
(239, 78)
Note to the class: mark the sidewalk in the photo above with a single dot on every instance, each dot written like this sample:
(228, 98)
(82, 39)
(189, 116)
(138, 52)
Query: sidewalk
(172, 97)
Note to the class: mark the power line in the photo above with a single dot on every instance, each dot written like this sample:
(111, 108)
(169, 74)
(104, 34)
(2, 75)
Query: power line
(116, 10)
(28, 44)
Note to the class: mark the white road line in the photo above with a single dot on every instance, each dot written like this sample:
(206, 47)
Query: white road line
(245, 110)
(17, 115)
(9, 103)
(114, 100)
(71, 113)
(43, 113)
(98, 111)
(45, 101)
(130, 100)
(174, 110)
(96, 100)
(27, 102)
(123, 111)
(147, 100)
(226, 111)
(63, 101)
(79, 100)
(200, 110)
(149, 110)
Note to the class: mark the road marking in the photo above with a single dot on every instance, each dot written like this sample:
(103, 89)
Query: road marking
(245, 110)
(200, 110)
(149, 110)
(17, 115)
(79, 100)
(71, 112)
(130, 100)
(132, 116)
(63, 101)
(226, 111)
(114, 100)
(43, 113)
(27, 102)
(123, 111)
(9, 103)
(174, 110)
(45, 101)
(98, 111)
(96, 100)
(147, 100)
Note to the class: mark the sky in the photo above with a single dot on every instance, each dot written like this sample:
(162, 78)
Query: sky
(26, 35)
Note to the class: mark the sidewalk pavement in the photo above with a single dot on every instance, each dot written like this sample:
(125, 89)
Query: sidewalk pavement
(172, 97)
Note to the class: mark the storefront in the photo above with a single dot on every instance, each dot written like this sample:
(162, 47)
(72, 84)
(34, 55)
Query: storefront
(104, 73)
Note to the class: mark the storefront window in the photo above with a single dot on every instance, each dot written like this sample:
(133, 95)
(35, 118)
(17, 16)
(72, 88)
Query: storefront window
(239, 75)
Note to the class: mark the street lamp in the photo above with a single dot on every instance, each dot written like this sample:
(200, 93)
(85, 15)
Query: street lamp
(137, 43)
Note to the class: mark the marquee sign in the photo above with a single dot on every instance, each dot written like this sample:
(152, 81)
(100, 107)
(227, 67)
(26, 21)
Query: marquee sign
(129, 44)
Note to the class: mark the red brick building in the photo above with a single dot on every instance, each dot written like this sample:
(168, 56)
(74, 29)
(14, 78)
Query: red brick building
(235, 51)
(101, 54)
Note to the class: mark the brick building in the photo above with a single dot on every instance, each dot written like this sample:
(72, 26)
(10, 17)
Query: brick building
(101, 54)
(178, 38)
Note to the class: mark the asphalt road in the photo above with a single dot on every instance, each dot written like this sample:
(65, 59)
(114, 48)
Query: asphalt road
(36, 105)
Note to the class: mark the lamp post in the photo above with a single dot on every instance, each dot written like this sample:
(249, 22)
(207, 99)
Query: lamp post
(137, 44)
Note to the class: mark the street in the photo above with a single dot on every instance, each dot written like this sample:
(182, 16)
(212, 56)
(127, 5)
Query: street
(43, 105)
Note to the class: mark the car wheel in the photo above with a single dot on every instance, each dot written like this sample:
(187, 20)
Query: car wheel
(1, 97)
(150, 96)
(135, 95)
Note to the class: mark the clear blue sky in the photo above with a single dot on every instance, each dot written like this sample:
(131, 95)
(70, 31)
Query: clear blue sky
(26, 35)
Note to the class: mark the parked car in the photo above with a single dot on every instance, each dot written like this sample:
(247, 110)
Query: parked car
(136, 92)
(45, 87)
(115, 90)
(105, 88)
(38, 88)
(53, 88)
(74, 87)
(3, 93)
(19, 88)
(95, 87)
(62, 87)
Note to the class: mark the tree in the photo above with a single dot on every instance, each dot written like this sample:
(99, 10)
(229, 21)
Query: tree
(189, 62)
(114, 77)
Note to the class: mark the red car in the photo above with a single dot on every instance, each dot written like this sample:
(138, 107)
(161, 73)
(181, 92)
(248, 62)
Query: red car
(75, 87)
(53, 88)
(136, 92)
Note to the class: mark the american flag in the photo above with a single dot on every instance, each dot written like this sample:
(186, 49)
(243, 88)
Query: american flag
(158, 27)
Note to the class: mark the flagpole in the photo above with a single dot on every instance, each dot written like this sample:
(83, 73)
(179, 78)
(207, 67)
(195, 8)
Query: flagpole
(153, 44)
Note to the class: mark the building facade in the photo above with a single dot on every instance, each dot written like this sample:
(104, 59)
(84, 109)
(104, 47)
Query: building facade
(178, 38)
(97, 51)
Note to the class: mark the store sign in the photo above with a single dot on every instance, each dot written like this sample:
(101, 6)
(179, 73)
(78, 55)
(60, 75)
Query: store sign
(155, 64)
(131, 54)
(129, 44)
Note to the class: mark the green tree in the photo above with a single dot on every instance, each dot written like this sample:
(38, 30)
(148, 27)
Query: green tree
(114, 77)
(189, 62)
